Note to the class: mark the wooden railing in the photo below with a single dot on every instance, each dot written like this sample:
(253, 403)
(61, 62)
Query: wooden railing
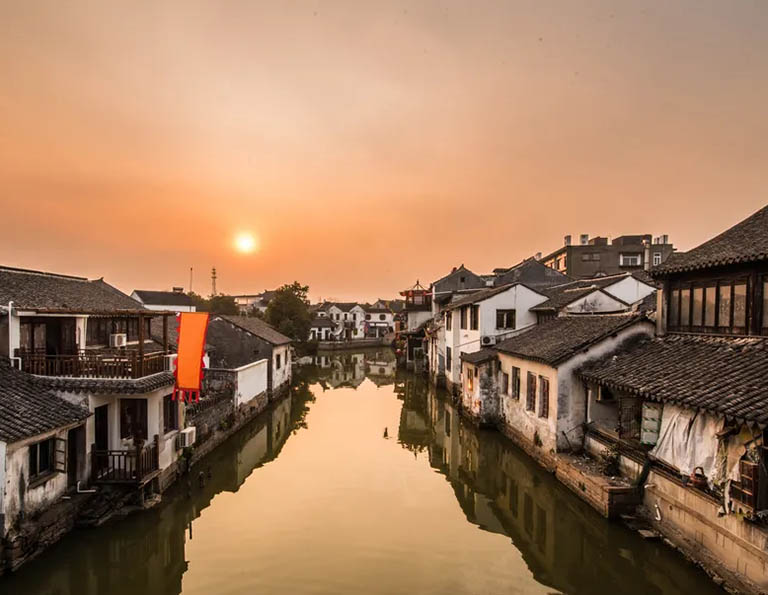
(93, 364)
(125, 466)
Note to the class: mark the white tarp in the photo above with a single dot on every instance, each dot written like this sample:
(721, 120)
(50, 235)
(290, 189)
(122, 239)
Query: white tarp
(687, 440)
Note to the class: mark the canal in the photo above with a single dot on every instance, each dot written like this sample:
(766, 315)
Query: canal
(363, 481)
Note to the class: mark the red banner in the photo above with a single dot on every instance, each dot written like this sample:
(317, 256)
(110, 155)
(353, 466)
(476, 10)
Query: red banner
(193, 327)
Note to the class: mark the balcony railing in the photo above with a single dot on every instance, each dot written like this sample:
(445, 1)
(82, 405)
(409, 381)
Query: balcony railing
(93, 364)
(125, 466)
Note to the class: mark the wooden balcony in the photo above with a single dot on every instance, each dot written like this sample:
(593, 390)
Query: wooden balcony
(133, 466)
(115, 363)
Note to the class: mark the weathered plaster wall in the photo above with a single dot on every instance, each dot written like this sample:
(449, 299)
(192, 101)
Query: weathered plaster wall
(630, 290)
(596, 301)
(281, 376)
(18, 493)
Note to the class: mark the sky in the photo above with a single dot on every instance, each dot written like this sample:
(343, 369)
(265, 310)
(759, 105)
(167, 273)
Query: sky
(369, 144)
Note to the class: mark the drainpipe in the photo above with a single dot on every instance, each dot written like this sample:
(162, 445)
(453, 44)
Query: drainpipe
(10, 336)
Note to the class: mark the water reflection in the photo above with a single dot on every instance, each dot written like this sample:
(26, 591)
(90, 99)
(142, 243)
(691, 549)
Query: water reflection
(145, 553)
(566, 545)
(345, 508)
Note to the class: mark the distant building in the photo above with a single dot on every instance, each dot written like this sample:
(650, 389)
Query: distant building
(257, 301)
(595, 257)
(175, 300)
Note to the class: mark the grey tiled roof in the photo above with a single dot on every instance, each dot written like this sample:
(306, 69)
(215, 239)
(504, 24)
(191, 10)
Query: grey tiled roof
(128, 386)
(322, 322)
(27, 409)
(744, 242)
(556, 340)
(37, 290)
(258, 327)
(478, 357)
(479, 296)
(164, 298)
(723, 375)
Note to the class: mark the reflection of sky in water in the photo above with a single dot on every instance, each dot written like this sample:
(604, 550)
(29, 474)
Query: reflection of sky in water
(437, 507)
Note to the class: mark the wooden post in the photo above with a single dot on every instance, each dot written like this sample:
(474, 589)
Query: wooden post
(141, 348)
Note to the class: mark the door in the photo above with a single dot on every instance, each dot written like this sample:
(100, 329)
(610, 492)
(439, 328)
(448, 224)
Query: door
(101, 421)
(74, 438)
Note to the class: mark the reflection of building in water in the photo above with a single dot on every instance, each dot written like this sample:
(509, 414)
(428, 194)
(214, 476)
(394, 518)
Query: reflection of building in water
(146, 554)
(564, 542)
(347, 369)
(381, 367)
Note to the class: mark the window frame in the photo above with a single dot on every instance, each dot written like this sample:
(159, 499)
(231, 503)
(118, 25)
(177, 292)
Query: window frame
(34, 470)
(502, 317)
(474, 317)
(530, 392)
(543, 397)
(170, 410)
(515, 384)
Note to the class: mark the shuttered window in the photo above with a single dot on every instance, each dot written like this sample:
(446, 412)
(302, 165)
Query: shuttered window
(543, 397)
(530, 403)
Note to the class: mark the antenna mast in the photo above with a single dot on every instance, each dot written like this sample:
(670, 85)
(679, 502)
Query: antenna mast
(213, 281)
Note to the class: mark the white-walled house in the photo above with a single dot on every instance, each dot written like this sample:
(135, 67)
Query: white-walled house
(529, 384)
(173, 301)
(601, 295)
(348, 318)
(480, 320)
(321, 329)
(239, 340)
(42, 454)
(379, 322)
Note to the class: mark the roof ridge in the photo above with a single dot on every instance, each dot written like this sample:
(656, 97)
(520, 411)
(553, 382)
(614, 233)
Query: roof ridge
(41, 273)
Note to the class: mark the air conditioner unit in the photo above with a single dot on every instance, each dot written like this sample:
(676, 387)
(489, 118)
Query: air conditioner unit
(487, 340)
(118, 340)
(186, 437)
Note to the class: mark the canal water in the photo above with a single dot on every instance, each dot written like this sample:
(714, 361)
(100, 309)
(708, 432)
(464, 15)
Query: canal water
(365, 480)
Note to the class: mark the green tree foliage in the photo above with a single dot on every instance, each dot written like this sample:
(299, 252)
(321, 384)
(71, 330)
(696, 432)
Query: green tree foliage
(216, 304)
(288, 311)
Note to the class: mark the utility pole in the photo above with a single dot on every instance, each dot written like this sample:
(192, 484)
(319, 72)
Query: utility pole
(213, 281)
(190, 279)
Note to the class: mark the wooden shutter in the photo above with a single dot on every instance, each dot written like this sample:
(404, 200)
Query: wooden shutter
(650, 423)
(60, 455)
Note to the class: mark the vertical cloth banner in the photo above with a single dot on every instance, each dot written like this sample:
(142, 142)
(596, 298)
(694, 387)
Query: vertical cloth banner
(193, 327)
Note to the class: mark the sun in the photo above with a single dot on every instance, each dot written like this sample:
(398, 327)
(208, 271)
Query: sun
(246, 242)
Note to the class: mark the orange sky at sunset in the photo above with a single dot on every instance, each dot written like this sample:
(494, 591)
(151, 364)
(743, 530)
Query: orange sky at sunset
(366, 144)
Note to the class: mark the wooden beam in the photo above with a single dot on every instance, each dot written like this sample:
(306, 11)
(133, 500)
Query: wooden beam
(141, 347)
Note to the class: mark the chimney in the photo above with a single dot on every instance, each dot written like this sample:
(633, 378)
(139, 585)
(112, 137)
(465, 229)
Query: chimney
(646, 255)
(665, 239)
(584, 239)
(537, 256)
(567, 240)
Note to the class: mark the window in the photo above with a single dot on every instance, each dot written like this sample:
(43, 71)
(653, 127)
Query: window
(367, 316)
(674, 308)
(471, 378)
(382, 316)
(740, 306)
(170, 414)
(463, 321)
(133, 418)
(448, 320)
(630, 260)
(697, 315)
(656, 259)
(505, 319)
(543, 397)
(591, 256)
(530, 403)
(724, 309)
(448, 357)
(710, 301)
(278, 362)
(765, 304)
(504, 383)
(474, 316)
(41, 458)
(516, 383)
(685, 307)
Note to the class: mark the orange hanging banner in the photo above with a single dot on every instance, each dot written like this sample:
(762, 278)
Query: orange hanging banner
(193, 327)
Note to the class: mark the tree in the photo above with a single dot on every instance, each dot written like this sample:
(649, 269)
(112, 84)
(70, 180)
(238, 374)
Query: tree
(216, 304)
(288, 311)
